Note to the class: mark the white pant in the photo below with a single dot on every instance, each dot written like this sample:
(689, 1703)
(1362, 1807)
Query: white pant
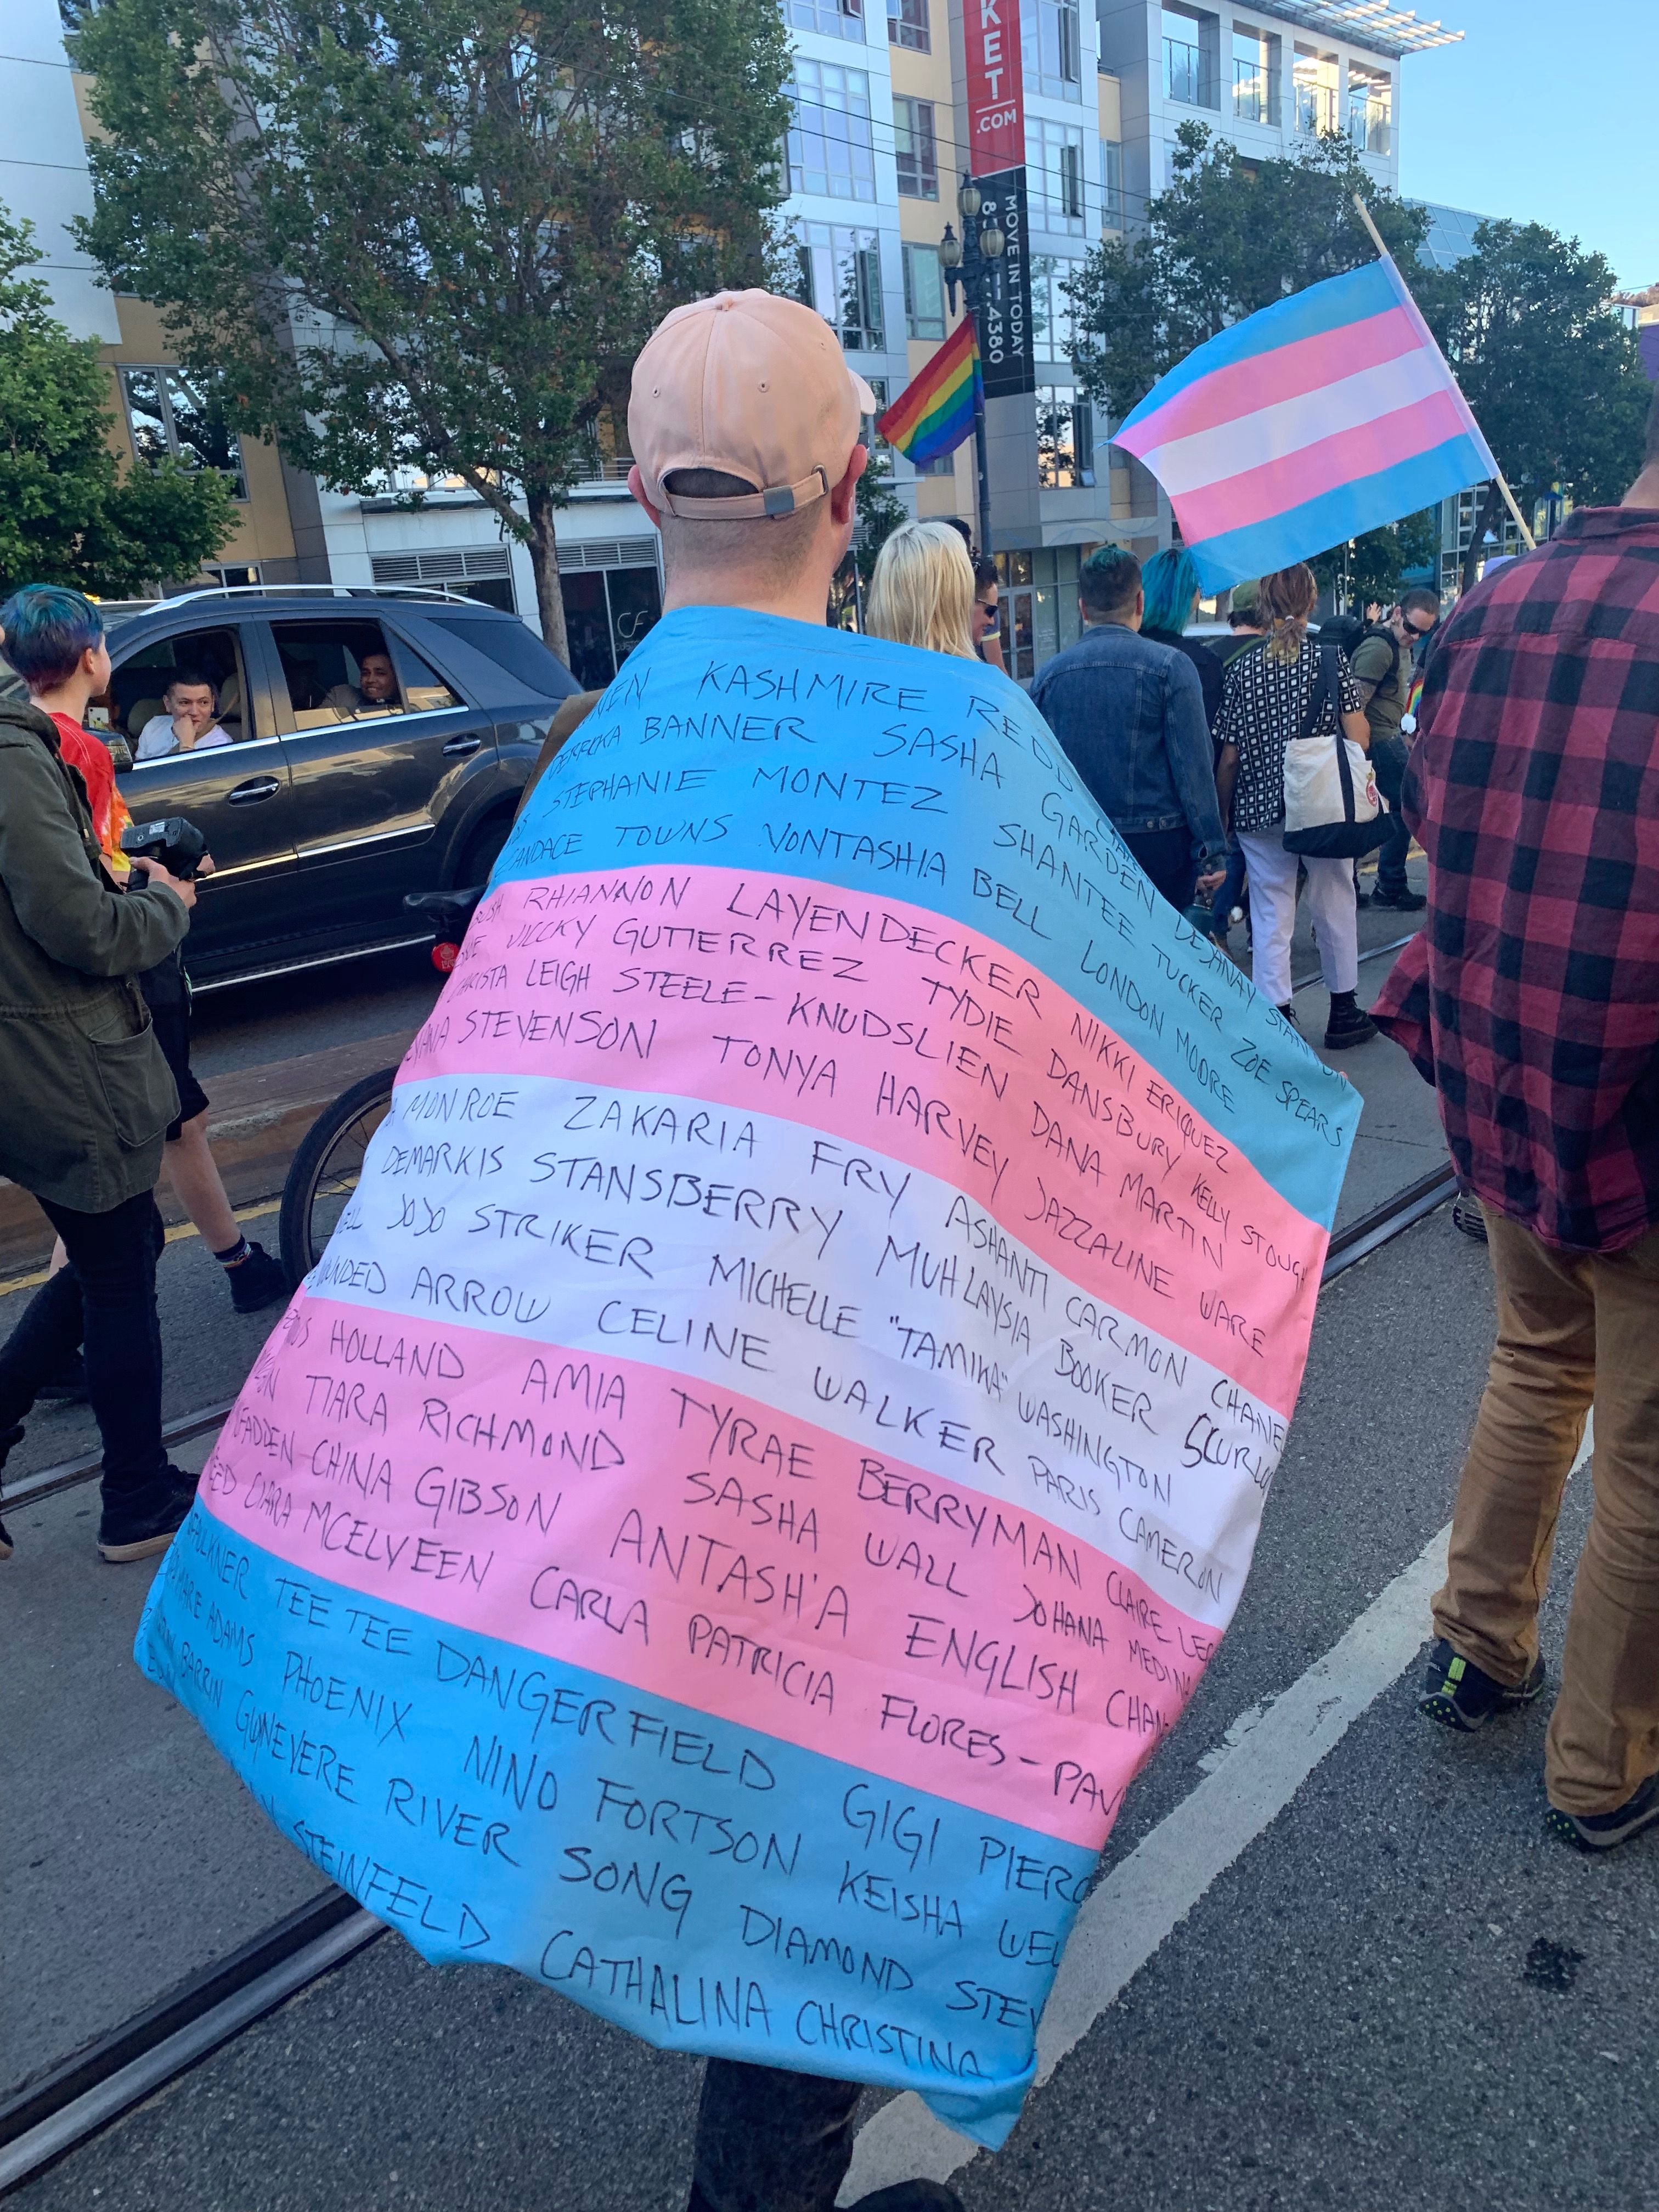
(1272, 915)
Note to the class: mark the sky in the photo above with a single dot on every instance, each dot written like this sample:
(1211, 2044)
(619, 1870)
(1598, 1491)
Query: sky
(1545, 112)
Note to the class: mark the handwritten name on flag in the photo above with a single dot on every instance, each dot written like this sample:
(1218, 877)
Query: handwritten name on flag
(1328, 413)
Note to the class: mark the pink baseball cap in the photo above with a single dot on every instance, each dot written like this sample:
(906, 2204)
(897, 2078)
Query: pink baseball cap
(752, 385)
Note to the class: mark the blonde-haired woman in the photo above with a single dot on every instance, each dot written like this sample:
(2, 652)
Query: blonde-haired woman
(1266, 700)
(923, 590)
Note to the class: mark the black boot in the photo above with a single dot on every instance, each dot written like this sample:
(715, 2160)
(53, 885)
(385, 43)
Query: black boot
(1348, 1024)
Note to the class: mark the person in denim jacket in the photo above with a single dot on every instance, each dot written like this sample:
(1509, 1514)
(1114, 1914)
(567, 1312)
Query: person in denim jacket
(1130, 717)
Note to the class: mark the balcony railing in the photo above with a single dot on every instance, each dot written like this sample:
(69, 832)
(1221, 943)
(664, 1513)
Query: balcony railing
(1368, 124)
(1186, 74)
(1255, 94)
(1315, 108)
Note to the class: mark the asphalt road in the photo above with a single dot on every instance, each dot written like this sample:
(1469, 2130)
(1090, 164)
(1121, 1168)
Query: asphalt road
(1400, 1994)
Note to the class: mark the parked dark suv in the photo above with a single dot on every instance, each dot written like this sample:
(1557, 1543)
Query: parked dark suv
(374, 742)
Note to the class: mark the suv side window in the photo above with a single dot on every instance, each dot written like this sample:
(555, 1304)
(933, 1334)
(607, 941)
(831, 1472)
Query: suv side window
(185, 694)
(350, 671)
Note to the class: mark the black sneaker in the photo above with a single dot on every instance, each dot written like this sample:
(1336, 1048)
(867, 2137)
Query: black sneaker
(1405, 902)
(256, 1282)
(69, 1383)
(1599, 1832)
(1468, 1216)
(1349, 1025)
(123, 1538)
(1464, 1697)
(1287, 1013)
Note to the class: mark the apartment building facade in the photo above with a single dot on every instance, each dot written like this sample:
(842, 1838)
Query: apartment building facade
(876, 150)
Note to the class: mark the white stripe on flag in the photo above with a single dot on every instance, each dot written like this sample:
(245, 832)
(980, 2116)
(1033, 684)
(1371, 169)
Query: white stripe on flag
(1246, 442)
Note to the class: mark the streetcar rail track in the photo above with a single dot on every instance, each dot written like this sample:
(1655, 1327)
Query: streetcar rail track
(52, 2116)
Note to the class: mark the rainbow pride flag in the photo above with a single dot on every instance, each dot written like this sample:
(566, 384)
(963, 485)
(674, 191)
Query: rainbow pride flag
(781, 1427)
(935, 411)
(1328, 413)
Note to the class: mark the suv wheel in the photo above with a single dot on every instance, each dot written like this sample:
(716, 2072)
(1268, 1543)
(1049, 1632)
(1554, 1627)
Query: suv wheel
(482, 851)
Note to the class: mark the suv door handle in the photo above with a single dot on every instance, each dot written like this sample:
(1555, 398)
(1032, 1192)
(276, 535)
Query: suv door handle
(466, 744)
(257, 786)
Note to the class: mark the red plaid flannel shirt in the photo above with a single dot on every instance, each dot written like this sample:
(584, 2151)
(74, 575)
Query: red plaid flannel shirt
(1531, 998)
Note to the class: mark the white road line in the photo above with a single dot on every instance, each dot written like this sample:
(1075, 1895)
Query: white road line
(1265, 1758)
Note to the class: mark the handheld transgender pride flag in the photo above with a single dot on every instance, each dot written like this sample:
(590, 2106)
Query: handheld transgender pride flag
(1325, 414)
(781, 1425)
(935, 411)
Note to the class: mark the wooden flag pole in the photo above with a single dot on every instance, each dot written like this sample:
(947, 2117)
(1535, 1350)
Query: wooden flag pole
(1531, 543)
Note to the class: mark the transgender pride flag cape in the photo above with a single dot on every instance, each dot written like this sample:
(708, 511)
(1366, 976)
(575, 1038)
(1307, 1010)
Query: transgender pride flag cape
(781, 1425)
(1328, 413)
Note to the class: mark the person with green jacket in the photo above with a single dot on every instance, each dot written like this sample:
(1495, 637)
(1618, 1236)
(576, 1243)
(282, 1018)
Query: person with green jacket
(87, 1093)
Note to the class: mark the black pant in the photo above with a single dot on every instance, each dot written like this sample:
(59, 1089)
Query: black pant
(107, 1296)
(1166, 859)
(1388, 756)
(768, 2141)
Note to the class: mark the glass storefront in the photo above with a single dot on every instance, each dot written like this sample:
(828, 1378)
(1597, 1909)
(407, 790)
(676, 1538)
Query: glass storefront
(606, 612)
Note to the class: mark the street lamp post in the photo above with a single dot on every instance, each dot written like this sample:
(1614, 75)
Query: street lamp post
(970, 262)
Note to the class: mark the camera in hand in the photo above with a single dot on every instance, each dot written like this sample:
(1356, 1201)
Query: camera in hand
(175, 844)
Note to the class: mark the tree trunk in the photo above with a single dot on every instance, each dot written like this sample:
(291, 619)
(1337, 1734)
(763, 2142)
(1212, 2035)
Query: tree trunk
(544, 560)
(1491, 510)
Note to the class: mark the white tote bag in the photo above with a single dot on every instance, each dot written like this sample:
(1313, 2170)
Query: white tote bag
(1333, 808)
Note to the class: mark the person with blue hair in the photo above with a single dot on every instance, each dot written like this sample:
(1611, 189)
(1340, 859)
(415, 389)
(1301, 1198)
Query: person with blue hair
(1170, 583)
(88, 1091)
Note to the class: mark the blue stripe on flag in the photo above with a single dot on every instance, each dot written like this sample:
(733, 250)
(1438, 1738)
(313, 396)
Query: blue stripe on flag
(1363, 293)
(1335, 516)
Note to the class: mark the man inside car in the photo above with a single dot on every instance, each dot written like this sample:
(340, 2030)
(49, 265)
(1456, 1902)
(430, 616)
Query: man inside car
(375, 691)
(188, 722)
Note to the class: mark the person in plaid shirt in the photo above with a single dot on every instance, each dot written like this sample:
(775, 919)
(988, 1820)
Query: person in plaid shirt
(1531, 1001)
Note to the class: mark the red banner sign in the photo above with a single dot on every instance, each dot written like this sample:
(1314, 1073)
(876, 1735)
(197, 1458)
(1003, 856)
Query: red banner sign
(996, 88)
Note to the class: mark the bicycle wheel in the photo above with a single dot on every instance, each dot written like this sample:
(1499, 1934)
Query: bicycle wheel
(325, 1170)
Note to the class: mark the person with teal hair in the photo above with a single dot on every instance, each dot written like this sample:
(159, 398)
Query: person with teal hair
(1171, 585)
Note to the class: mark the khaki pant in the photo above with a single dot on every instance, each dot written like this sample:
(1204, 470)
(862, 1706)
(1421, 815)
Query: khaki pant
(1572, 1329)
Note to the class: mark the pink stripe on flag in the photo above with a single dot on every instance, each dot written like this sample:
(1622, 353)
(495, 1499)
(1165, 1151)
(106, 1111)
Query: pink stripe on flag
(754, 1567)
(1064, 1153)
(1258, 494)
(1286, 373)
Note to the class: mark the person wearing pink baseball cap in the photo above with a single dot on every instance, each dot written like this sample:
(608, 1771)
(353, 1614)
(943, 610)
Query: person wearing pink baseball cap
(745, 423)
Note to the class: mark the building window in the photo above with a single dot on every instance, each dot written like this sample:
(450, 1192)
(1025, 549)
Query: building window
(831, 148)
(841, 276)
(1370, 107)
(1314, 87)
(1053, 163)
(1188, 75)
(916, 150)
(1051, 48)
(1255, 76)
(924, 293)
(175, 414)
(831, 19)
(1053, 328)
(1066, 439)
(942, 465)
(906, 24)
(1111, 185)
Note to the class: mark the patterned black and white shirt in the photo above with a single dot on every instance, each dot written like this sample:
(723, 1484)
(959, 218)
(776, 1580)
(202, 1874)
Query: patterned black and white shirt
(1264, 703)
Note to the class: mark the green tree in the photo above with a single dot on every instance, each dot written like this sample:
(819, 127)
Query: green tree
(880, 511)
(1229, 236)
(1555, 380)
(68, 514)
(1370, 567)
(432, 235)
